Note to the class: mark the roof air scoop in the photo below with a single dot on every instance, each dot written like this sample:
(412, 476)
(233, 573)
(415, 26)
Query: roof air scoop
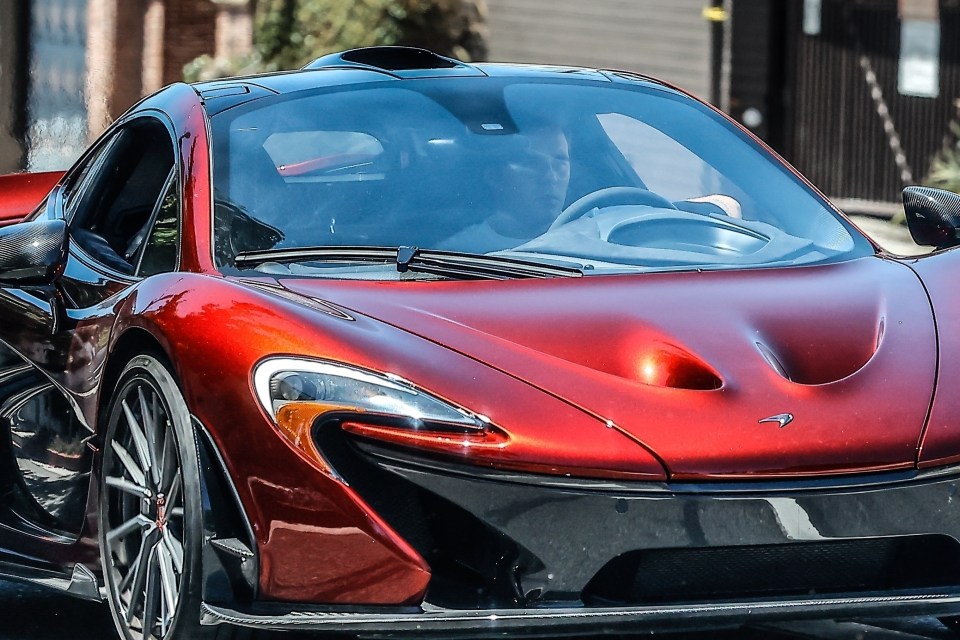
(399, 61)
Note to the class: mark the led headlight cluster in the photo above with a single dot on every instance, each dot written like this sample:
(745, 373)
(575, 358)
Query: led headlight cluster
(281, 381)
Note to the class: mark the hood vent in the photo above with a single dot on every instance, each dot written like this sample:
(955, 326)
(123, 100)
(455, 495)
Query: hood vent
(670, 366)
(812, 363)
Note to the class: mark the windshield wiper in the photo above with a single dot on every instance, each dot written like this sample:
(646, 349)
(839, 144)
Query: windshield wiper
(451, 264)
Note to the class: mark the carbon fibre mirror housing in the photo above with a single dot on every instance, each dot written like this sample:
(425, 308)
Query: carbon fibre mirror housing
(33, 252)
(933, 216)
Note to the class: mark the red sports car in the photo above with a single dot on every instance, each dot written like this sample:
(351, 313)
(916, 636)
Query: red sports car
(399, 345)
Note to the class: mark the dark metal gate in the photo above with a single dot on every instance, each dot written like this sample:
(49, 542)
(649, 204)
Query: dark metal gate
(845, 124)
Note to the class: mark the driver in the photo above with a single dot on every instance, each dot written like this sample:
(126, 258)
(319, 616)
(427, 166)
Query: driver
(527, 191)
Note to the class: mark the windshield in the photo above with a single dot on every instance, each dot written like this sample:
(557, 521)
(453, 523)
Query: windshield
(606, 176)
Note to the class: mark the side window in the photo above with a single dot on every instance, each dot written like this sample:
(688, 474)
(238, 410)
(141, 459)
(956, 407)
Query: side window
(112, 209)
(161, 251)
(78, 191)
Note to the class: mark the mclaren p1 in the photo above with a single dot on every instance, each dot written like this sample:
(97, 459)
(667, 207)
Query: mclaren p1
(400, 345)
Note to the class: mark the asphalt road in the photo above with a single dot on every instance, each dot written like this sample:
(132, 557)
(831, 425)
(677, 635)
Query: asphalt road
(32, 613)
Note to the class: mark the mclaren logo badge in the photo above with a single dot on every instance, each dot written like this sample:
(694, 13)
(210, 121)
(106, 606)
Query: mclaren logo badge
(782, 419)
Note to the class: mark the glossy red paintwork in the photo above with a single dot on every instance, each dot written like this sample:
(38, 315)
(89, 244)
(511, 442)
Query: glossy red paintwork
(843, 333)
(302, 518)
(214, 328)
(840, 424)
(20, 193)
(182, 104)
(941, 442)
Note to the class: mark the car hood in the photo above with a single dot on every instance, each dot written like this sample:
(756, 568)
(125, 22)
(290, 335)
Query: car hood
(766, 372)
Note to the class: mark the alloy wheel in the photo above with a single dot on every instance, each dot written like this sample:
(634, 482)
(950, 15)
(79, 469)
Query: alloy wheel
(143, 510)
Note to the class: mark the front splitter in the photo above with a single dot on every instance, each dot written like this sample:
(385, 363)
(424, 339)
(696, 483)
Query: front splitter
(575, 620)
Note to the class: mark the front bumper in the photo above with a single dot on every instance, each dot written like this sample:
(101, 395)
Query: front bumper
(554, 555)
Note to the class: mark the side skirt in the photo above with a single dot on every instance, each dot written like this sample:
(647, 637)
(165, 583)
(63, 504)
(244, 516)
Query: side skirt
(82, 583)
(578, 620)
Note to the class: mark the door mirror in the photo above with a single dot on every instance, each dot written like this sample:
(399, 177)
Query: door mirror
(933, 216)
(33, 252)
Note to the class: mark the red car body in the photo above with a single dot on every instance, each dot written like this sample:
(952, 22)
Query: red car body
(649, 389)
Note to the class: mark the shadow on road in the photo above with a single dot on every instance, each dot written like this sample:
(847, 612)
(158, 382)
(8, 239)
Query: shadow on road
(41, 614)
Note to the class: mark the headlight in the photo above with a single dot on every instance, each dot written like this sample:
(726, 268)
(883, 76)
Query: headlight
(338, 388)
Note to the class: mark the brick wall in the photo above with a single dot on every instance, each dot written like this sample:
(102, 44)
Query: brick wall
(189, 31)
(137, 46)
(128, 55)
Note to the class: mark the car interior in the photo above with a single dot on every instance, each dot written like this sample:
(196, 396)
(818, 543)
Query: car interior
(114, 203)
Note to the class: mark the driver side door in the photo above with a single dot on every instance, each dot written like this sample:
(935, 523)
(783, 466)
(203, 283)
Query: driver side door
(53, 335)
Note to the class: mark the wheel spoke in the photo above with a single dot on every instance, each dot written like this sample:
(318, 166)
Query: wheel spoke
(168, 579)
(156, 415)
(127, 579)
(128, 487)
(174, 493)
(136, 473)
(153, 595)
(169, 457)
(150, 429)
(139, 439)
(142, 561)
(176, 512)
(175, 550)
(165, 617)
(137, 522)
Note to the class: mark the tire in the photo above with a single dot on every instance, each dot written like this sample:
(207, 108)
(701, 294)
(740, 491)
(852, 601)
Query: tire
(149, 515)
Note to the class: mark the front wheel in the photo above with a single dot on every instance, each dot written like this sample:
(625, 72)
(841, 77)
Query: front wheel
(150, 513)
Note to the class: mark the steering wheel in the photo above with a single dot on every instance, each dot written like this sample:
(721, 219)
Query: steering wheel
(610, 197)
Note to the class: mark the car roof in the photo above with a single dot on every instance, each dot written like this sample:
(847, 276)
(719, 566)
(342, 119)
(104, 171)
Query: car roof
(377, 64)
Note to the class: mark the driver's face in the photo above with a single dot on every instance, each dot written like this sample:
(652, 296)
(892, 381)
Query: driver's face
(536, 183)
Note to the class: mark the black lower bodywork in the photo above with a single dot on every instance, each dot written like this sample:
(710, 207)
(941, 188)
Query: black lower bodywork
(545, 555)
(551, 555)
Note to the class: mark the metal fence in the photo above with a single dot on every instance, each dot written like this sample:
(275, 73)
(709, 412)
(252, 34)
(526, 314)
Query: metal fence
(847, 126)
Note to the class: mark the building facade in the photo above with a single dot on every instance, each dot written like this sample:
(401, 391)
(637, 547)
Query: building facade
(70, 67)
